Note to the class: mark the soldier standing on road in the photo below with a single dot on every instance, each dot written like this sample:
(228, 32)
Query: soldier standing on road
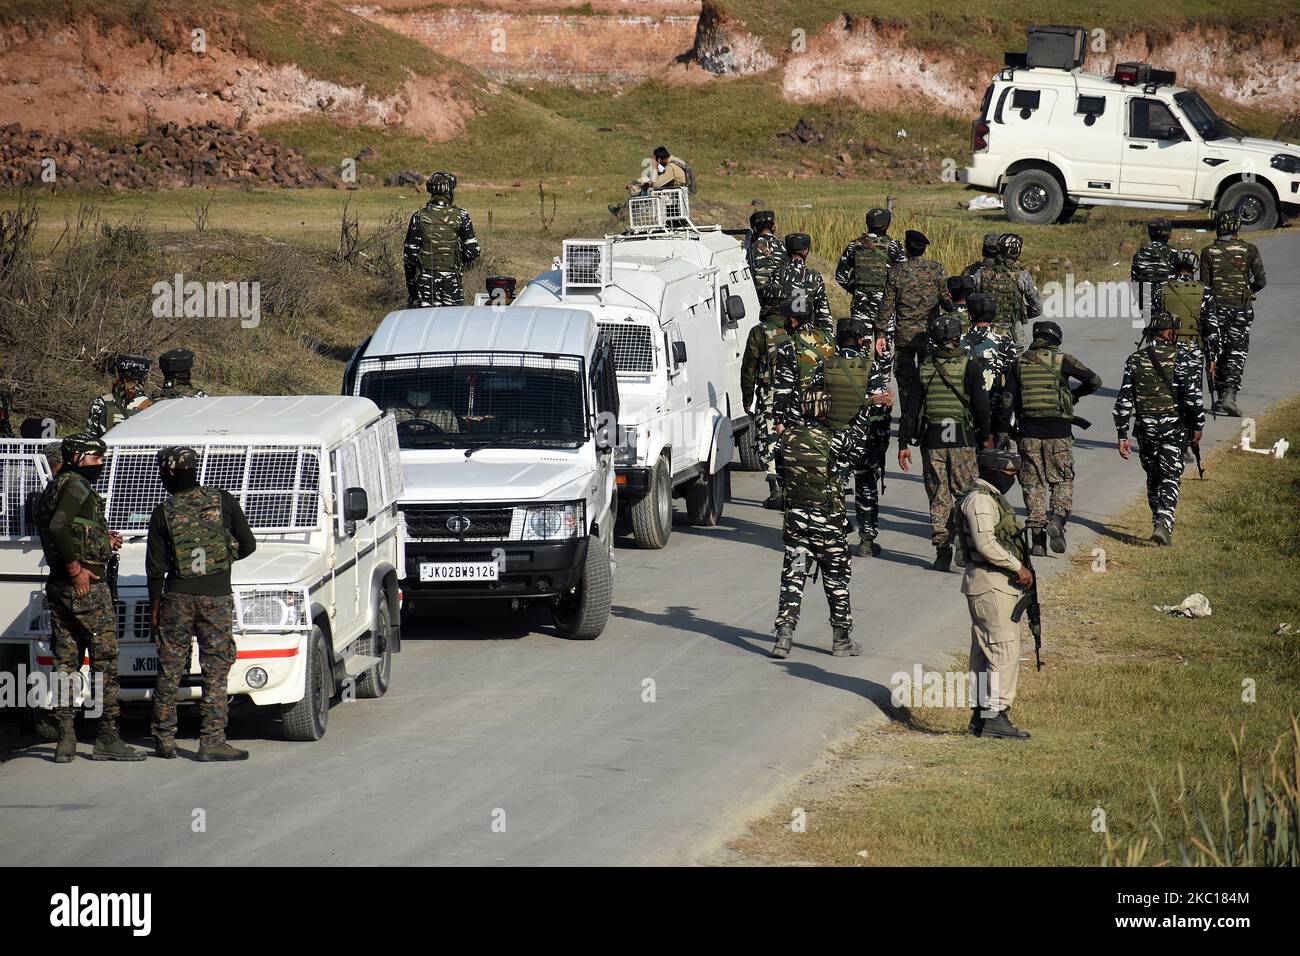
(195, 536)
(1192, 304)
(947, 413)
(799, 282)
(1012, 288)
(988, 256)
(1234, 272)
(1038, 393)
(176, 367)
(864, 267)
(1163, 397)
(996, 352)
(994, 579)
(127, 396)
(756, 389)
(78, 546)
(766, 254)
(1153, 264)
(440, 243)
(915, 293)
(798, 367)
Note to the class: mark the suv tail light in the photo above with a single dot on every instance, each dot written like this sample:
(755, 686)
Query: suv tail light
(979, 136)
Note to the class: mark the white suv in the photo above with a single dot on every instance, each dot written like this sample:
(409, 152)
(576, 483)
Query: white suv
(1051, 140)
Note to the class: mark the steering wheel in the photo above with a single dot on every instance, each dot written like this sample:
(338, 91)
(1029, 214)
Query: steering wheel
(421, 425)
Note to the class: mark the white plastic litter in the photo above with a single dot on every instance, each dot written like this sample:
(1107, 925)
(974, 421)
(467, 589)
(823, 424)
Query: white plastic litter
(984, 202)
(901, 134)
(1284, 630)
(1194, 605)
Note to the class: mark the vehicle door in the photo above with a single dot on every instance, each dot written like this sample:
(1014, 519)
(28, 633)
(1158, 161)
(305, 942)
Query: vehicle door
(1159, 157)
(1088, 129)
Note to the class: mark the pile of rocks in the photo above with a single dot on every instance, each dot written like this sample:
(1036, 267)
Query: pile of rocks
(169, 155)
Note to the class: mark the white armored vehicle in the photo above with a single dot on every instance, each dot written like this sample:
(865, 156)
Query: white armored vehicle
(1051, 138)
(317, 606)
(676, 302)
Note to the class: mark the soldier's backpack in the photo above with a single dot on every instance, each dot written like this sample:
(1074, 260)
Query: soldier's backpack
(999, 281)
(688, 171)
(1183, 297)
(847, 380)
(1231, 273)
(439, 230)
(1043, 392)
(200, 542)
(870, 264)
(809, 476)
(943, 378)
(1152, 385)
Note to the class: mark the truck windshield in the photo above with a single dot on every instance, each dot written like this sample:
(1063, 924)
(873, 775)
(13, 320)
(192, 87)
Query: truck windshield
(1208, 124)
(468, 404)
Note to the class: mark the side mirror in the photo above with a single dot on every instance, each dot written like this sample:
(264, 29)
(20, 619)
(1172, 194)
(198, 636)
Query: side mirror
(679, 353)
(735, 308)
(356, 504)
(1174, 134)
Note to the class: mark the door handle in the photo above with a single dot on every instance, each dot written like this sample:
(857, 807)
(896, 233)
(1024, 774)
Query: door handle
(1135, 146)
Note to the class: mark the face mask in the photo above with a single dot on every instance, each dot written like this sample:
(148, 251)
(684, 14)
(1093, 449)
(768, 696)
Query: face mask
(661, 167)
(1001, 481)
(90, 472)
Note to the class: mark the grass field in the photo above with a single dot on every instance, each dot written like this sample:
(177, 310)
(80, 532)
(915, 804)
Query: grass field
(1133, 718)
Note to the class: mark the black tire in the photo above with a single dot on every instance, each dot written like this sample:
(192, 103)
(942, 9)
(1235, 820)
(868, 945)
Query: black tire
(582, 614)
(375, 682)
(1033, 197)
(307, 719)
(748, 445)
(1067, 212)
(1253, 204)
(652, 513)
(705, 498)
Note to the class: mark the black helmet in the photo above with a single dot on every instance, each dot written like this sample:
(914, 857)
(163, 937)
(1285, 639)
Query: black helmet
(998, 459)
(982, 307)
(945, 327)
(1010, 245)
(177, 360)
(1163, 321)
(1048, 330)
(960, 287)
(82, 444)
(915, 242)
(1159, 228)
(178, 458)
(132, 368)
(989, 246)
(441, 184)
(1186, 260)
(1227, 222)
(798, 242)
(878, 220)
(851, 328)
(796, 312)
(762, 219)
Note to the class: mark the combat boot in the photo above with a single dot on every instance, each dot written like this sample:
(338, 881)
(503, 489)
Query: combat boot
(942, 558)
(221, 751)
(1056, 533)
(109, 746)
(775, 500)
(1039, 546)
(67, 746)
(784, 642)
(842, 645)
(165, 748)
(1230, 405)
(864, 547)
(976, 722)
(1000, 727)
(1162, 536)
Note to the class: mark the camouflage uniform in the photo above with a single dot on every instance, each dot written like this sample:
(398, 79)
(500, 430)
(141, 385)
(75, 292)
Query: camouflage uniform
(767, 256)
(796, 369)
(869, 470)
(796, 280)
(917, 289)
(1161, 393)
(181, 616)
(114, 407)
(1152, 265)
(176, 388)
(996, 352)
(756, 384)
(1233, 271)
(1017, 297)
(1198, 331)
(440, 243)
(868, 292)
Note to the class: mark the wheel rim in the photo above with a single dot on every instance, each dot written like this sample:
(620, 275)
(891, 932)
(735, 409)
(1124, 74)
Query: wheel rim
(1033, 199)
(322, 683)
(663, 505)
(1250, 211)
(385, 665)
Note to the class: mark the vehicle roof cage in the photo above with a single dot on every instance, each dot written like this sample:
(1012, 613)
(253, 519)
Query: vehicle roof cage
(647, 213)
(587, 264)
(678, 208)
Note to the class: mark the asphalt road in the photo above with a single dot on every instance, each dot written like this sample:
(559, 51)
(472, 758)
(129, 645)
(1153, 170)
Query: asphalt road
(488, 723)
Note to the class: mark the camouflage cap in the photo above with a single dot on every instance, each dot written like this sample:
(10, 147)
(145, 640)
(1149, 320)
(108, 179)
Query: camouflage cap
(878, 219)
(177, 360)
(1010, 245)
(762, 219)
(960, 287)
(982, 307)
(1159, 228)
(1186, 260)
(1048, 330)
(82, 444)
(178, 458)
(1227, 222)
(851, 327)
(989, 245)
(133, 367)
(998, 459)
(1163, 321)
(798, 242)
(441, 184)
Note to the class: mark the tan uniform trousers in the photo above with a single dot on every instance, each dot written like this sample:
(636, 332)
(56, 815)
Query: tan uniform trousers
(994, 647)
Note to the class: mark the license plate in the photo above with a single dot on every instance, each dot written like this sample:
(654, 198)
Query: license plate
(459, 571)
(145, 665)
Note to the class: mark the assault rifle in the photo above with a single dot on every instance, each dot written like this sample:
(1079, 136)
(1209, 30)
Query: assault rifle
(1029, 602)
(110, 572)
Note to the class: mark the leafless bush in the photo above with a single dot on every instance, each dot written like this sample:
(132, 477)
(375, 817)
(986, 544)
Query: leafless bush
(198, 210)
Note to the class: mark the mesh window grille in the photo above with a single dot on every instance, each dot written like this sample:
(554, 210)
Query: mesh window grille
(676, 204)
(633, 346)
(646, 213)
(21, 482)
(586, 263)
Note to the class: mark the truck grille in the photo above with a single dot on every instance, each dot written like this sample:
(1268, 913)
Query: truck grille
(452, 523)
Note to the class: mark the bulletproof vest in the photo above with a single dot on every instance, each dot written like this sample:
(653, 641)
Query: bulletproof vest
(999, 281)
(870, 264)
(1042, 386)
(812, 347)
(943, 402)
(1006, 531)
(809, 476)
(90, 540)
(438, 226)
(1231, 272)
(1155, 392)
(774, 330)
(848, 381)
(200, 543)
(1183, 298)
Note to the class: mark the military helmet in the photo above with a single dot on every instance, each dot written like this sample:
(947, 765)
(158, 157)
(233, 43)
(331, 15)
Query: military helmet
(982, 307)
(878, 220)
(54, 454)
(762, 219)
(960, 287)
(178, 458)
(1159, 228)
(1010, 245)
(915, 241)
(1048, 330)
(441, 184)
(998, 459)
(945, 327)
(796, 307)
(1186, 260)
(989, 245)
(82, 444)
(851, 327)
(1227, 222)
(132, 367)
(1162, 321)
(797, 242)
(177, 360)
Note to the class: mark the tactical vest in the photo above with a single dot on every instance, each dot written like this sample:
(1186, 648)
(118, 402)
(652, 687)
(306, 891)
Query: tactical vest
(1000, 282)
(200, 542)
(809, 476)
(438, 227)
(1006, 531)
(1043, 393)
(1231, 273)
(813, 347)
(942, 402)
(870, 264)
(1154, 396)
(179, 390)
(1183, 298)
(90, 540)
(848, 381)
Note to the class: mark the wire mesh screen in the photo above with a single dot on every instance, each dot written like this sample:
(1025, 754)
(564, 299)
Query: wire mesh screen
(586, 263)
(645, 213)
(676, 203)
(22, 479)
(390, 458)
(633, 346)
(459, 399)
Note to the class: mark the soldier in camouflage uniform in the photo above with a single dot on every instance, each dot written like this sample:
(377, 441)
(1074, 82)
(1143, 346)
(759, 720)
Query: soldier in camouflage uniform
(988, 256)
(1039, 395)
(195, 536)
(947, 414)
(1012, 288)
(796, 281)
(798, 366)
(440, 243)
(766, 253)
(1233, 271)
(1192, 304)
(127, 396)
(915, 293)
(756, 389)
(176, 367)
(78, 546)
(996, 352)
(1162, 396)
(863, 269)
(1153, 264)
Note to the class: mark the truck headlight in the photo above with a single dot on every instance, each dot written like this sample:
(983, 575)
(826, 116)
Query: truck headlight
(1286, 163)
(255, 678)
(555, 522)
(271, 610)
(625, 453)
